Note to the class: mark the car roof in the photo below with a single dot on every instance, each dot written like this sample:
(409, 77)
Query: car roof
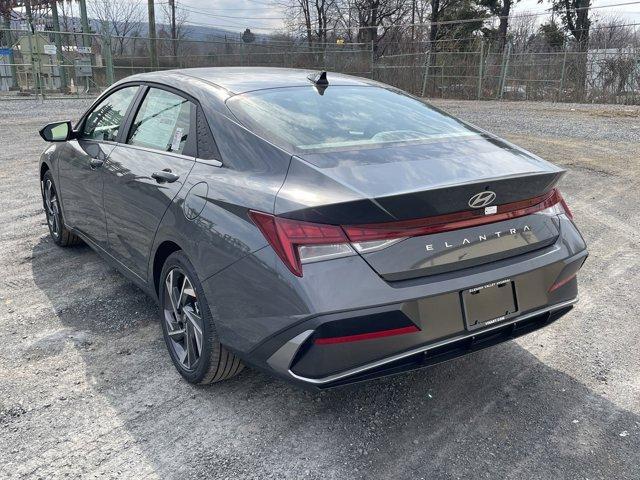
(236, 80)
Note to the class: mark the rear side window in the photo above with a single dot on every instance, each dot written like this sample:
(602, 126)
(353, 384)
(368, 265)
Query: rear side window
(105, 120)
(162, 122)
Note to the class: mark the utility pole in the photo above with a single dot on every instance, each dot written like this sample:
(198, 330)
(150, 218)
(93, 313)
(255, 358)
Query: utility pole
(58, 40)
(84, 22)
(153, 50)
(174, 32)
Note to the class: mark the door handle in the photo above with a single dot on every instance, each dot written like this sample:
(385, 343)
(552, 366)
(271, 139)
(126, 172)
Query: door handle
(95, 163)
(165, 175)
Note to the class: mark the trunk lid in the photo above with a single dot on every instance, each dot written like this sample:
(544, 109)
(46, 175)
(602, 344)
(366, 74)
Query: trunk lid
(399, 183)
(410, 181)
(465, 248)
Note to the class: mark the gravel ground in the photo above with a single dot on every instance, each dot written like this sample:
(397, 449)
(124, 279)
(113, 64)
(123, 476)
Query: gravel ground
(87, 389)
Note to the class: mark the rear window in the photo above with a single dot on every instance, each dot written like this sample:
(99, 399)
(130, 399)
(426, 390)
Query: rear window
(343, 117)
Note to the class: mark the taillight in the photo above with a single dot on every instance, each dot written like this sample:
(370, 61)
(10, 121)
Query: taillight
(298, 242)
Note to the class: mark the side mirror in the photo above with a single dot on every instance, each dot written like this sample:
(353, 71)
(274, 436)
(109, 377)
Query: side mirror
(57, 132)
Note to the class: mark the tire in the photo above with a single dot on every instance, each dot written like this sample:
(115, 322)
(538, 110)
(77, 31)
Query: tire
(183, 318)
(59, 233)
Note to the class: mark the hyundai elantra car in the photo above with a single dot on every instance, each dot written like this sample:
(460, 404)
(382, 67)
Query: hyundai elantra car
(325, 228)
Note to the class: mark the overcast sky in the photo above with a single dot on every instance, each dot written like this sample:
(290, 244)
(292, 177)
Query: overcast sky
(261, 16)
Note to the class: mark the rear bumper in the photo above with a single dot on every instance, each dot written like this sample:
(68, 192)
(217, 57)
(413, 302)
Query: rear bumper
(273, 320)
(426, 355)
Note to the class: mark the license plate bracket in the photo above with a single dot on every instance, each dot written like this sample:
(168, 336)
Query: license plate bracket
(489, 304)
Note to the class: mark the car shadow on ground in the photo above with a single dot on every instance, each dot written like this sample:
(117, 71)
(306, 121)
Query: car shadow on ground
(500, 413)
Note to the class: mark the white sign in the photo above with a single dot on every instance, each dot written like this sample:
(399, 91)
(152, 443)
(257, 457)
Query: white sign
(84, 49)
(50, 49)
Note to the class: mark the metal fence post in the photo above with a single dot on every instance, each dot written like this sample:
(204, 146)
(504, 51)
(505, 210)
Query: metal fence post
(425, 75)
(373, 59)
(35, 61)
(505, 68)
(8, 36)
(106, 52)
(480, 69)
(564, 64)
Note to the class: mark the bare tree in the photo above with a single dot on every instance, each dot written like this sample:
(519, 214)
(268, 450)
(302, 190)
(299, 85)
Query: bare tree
(502, 9)
(377, 17)
(314, 18)
(575, 17)
(611, 32)
(122, 16)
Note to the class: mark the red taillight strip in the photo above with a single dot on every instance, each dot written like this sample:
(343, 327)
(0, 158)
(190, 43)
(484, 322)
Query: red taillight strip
(450, 221)
(366, 336)
(563, 282)
(285, 235)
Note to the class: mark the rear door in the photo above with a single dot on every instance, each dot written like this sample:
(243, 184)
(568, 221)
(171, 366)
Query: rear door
(145, 174)
(80, 172)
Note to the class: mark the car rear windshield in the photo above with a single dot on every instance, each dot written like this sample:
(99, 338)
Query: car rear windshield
(342, 117)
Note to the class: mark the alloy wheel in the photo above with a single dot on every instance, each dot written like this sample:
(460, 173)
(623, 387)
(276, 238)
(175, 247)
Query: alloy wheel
(52, 208)
(183, 318)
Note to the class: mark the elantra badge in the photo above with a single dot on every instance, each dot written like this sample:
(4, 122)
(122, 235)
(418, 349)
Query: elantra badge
(482, 199)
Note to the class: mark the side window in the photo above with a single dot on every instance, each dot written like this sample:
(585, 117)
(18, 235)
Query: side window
(162, 122)
(104, 122)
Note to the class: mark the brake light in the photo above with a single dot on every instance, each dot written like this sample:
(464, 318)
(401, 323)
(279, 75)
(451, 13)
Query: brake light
(298, 242)
(366, 336)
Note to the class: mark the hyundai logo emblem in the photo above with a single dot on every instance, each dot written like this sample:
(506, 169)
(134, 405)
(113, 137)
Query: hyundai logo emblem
(482, 199)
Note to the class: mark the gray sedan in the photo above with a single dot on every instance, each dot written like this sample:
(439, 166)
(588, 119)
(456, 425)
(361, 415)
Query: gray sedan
(322, 227)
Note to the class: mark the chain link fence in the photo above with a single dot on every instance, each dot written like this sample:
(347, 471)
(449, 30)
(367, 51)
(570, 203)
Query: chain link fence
(46, 64)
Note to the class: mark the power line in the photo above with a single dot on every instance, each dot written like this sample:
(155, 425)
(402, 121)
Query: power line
(408, 25)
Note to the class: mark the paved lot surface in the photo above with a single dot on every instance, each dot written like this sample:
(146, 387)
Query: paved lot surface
(87, 389)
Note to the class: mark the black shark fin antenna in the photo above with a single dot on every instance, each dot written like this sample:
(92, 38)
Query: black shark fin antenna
(319, 80)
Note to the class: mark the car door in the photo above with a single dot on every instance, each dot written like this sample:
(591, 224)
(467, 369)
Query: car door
(80, 173)
(144, 174)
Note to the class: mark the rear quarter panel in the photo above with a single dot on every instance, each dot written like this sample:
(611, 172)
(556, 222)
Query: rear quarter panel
(209, 218)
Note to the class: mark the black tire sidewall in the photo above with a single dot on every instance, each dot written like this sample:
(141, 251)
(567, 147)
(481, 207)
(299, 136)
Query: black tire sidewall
(210, 344)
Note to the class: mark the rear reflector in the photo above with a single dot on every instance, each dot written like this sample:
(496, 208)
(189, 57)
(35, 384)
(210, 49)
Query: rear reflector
(297, 242)
(562, 282)
(366, 336)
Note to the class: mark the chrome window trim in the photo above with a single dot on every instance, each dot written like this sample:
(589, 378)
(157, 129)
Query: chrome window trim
(155, 150)
(294, 344)
(209, 161)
